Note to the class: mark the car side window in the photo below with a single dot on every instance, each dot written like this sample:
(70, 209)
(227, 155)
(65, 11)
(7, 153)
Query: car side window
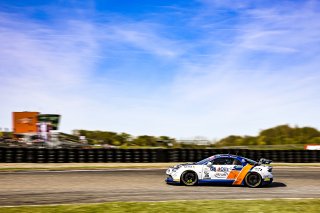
(236, 162)
(222, 161)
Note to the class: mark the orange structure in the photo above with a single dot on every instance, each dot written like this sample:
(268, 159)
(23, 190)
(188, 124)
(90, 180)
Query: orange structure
(25, 122)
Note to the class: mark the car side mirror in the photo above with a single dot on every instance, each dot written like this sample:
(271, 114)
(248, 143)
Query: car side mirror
(209, 164)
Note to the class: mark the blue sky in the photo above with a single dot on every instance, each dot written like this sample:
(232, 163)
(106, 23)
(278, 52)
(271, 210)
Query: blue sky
(207, 68)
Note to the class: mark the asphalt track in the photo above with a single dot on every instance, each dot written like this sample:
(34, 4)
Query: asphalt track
(36, 188)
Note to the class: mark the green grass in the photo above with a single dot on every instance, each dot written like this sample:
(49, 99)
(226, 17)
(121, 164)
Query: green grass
(226, 206)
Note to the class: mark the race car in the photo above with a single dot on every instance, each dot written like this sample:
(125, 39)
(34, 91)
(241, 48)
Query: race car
(222, 169)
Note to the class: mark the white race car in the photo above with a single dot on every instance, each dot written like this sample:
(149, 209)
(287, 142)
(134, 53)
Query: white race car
(222, 168)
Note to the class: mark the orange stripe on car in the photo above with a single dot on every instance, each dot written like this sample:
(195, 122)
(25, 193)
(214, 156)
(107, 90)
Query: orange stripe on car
(242, 174)
(233, 174)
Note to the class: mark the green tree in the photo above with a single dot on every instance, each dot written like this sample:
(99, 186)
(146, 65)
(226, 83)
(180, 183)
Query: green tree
(282, 134)
(145, 140)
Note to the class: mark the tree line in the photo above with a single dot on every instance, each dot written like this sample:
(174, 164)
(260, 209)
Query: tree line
(279, 135)
(125, 139)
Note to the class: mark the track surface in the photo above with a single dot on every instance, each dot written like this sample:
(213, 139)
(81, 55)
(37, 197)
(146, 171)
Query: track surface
(30, 188)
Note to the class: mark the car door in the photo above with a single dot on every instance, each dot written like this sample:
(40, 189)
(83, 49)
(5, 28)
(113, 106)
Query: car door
(221, 168)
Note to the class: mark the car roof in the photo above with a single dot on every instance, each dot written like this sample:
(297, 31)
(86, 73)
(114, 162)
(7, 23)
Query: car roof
(227, 155)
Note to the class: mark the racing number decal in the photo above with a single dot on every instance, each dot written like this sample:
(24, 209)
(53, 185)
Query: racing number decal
(242, 174)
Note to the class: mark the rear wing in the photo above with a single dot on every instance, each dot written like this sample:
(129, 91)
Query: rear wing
(264, 161)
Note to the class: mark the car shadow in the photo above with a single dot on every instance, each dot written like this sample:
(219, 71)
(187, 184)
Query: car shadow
(272, 185)
(275, 185)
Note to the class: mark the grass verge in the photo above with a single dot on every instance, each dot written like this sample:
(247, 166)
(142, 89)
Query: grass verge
(226, 206)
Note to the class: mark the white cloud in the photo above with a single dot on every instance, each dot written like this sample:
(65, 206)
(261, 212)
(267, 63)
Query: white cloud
(53, 69)
(262, 71)
(142, 36)
(43, 68)
(262, 79)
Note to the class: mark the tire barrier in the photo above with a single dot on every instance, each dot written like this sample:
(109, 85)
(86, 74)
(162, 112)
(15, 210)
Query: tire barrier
(27, 155)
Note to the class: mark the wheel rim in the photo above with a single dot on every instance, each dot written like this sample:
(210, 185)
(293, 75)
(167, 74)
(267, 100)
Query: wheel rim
(189, 178)
(253, 180)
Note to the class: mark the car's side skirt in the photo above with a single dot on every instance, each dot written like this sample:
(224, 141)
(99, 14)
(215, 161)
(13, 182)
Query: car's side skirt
(222, 181)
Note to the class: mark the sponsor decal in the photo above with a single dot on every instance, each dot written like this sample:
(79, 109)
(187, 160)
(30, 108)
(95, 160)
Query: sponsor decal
(257, 169)
(25, 120)
(223, 169)
(206, 173)
(221, 174)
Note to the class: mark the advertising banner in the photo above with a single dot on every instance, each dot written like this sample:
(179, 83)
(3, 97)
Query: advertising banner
(52, 119)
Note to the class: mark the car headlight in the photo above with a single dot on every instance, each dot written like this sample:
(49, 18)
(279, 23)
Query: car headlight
(173, 169)
(169, 171)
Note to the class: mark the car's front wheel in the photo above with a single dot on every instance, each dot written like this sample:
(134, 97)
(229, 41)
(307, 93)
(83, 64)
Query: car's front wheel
(189, 178)
(253, 180)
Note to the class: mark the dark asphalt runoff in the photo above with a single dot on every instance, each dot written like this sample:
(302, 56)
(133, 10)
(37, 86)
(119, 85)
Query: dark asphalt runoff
(36, 188)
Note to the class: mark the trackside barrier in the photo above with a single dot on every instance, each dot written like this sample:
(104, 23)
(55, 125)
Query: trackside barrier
(26, 155)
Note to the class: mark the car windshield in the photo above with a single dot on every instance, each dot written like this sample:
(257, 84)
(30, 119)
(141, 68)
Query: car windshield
(203, 161)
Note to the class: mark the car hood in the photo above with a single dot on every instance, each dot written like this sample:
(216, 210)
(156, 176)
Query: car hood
(182, 164)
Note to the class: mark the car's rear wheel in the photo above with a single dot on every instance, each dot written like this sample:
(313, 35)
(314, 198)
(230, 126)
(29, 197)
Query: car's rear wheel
(189, 178)
(253, 180)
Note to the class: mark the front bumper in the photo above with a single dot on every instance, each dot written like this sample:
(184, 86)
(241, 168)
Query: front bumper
(170, 180)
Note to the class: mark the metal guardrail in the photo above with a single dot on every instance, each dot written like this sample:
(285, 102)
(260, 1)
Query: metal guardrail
(27, 155)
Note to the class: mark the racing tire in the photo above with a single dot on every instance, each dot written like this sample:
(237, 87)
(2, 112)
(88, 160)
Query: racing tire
(253, 180)
(189, 178)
